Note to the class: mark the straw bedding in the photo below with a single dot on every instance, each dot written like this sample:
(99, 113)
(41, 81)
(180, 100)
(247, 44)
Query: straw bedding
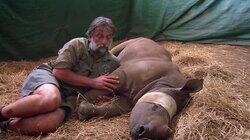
(219, 111)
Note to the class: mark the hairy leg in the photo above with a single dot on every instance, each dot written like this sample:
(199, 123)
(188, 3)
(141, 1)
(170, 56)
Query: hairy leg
(116, 107)
(45, 98)
(40, 124)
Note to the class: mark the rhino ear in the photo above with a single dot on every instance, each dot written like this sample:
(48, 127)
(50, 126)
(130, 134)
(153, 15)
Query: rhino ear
(192, 85)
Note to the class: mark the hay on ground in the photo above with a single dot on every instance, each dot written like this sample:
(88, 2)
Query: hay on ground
(219, 111)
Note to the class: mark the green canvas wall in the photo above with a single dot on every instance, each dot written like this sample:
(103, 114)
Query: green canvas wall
(30, 29)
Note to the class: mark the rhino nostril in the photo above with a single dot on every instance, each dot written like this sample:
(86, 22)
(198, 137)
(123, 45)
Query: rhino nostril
(141, 130)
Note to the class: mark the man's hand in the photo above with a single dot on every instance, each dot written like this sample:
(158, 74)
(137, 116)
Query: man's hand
(107, 82)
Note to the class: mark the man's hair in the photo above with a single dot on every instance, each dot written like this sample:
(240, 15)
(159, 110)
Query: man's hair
(100, 22)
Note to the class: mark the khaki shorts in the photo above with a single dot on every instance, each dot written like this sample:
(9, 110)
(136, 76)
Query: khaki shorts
(43, 75)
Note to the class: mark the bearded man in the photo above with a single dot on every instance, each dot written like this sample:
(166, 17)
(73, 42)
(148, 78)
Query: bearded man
(82, 64)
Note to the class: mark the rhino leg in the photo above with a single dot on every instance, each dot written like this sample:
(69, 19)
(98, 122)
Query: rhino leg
(92, 95)
(116, 107)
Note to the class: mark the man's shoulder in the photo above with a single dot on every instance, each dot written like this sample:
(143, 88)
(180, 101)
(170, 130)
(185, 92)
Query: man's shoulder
(79, 40)
(78, 44)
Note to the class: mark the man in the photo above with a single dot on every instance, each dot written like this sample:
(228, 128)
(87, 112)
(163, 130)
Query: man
(81, 64)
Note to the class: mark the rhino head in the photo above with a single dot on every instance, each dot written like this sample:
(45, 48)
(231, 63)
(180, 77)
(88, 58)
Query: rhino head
(152, 114)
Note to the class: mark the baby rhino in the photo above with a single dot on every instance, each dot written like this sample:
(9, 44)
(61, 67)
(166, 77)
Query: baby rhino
(150, 84)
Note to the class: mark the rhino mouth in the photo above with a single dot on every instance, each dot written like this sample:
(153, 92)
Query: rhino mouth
(143, 132)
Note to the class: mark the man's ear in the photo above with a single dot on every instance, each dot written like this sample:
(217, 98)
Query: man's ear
(192, 85)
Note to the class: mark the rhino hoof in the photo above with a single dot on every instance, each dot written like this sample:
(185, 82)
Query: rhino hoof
(85, 111)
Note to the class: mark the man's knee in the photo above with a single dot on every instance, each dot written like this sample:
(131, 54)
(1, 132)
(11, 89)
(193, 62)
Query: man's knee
(50, 96)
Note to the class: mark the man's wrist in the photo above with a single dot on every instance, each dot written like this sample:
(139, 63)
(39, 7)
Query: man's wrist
(89, 82)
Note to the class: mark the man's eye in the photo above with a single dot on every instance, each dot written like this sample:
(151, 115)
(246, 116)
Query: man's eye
(109, 37)
(99, 36)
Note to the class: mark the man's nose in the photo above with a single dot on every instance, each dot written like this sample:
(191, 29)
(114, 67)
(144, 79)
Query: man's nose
(105, 41)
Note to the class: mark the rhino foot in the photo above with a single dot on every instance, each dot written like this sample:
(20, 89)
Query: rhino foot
(86, 111)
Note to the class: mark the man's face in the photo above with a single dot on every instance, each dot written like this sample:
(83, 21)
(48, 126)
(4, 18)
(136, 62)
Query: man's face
(102, 36)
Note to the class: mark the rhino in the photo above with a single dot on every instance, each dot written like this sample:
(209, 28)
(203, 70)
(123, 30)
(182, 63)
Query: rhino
(150, 85)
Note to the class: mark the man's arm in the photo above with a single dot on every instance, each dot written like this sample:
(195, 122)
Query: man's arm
(102, 82)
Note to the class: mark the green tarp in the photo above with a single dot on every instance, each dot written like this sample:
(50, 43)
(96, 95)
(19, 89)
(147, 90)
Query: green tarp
(209, 21)
(30, 29)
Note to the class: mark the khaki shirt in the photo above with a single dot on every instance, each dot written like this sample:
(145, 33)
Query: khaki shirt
(75, 55)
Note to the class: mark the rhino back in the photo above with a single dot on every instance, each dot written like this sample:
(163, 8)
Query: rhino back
(142, 61)
(143, 48)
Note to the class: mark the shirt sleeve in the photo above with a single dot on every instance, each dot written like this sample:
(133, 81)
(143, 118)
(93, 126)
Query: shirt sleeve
(69, 55)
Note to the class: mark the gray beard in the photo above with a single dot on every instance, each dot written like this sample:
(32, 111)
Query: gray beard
(100, 50)
(93, 46)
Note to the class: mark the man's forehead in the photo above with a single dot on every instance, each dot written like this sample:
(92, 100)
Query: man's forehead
(103, 30)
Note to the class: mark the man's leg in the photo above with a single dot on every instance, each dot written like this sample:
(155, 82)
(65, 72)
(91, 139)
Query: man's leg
(45, 98)
(40, 124)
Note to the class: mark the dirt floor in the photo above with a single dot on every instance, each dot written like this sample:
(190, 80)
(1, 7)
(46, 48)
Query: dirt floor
(220, 111)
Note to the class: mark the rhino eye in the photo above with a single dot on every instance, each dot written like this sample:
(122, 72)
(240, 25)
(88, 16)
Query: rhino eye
(155, 107)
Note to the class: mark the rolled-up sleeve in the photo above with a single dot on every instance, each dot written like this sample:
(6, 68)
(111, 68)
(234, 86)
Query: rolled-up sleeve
(68, 56)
